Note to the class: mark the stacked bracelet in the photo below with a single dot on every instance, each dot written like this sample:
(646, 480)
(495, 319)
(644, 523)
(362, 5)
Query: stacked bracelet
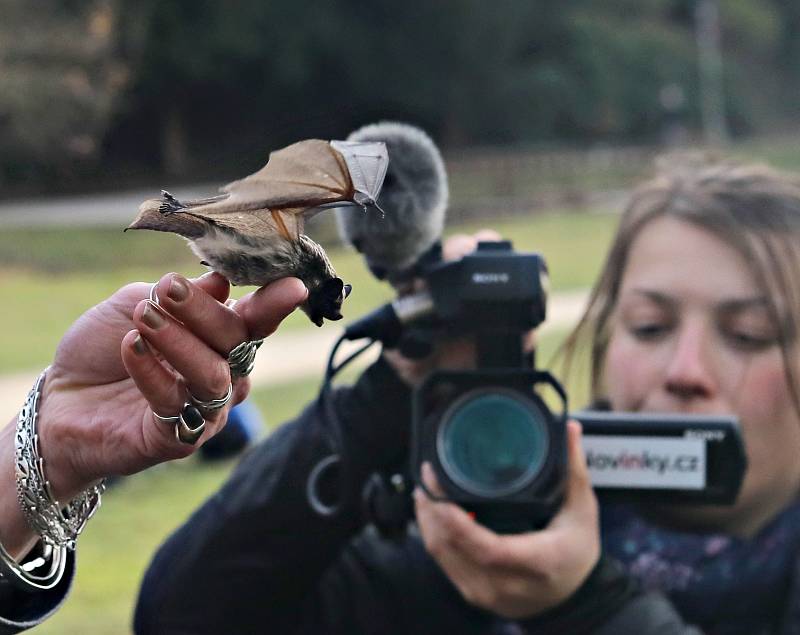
(38, 572)
(58, 528)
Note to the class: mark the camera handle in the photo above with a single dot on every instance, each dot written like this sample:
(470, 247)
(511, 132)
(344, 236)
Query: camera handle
(387, 503)
(500, 349)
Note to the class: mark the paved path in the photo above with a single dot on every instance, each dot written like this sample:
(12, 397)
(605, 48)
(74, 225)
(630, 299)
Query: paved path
(285, 357)
(113, 208)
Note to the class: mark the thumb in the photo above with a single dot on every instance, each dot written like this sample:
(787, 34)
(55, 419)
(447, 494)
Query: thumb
(579, 499)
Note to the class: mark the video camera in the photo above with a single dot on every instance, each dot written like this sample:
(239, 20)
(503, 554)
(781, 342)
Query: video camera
(496, 447)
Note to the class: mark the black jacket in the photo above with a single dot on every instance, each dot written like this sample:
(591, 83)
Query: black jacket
(20, 611)
(255, 558)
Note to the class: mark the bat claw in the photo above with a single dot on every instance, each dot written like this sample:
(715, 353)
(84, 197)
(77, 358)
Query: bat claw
(170, 204)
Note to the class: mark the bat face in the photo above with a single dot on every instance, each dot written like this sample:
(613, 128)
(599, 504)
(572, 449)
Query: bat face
(325, 302)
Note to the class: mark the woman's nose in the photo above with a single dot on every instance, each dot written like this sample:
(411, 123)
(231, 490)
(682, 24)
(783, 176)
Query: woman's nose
(689, 373)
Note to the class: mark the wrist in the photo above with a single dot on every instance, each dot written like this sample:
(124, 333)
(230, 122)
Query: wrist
(17, 537)
(57, 445)
(605, 591)
(57, 523)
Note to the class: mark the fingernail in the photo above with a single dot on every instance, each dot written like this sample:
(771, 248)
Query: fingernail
(140, 346)
(178, 289)
(152, 316)
(427, 473)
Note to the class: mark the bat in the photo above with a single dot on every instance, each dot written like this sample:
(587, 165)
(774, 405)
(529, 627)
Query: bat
(252, 233)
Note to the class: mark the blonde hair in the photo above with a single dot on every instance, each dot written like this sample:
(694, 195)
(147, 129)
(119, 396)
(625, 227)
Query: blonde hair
(751, 207)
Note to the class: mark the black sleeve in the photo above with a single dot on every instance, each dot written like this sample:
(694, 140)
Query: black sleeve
(20, 611)
(647, 614)
(249, 557)
(609, 603)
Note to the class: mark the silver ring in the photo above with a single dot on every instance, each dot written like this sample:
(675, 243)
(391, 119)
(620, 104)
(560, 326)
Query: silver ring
(154, 295)
(242, 358)
(189, 424)
(212, 404)
(174, 419)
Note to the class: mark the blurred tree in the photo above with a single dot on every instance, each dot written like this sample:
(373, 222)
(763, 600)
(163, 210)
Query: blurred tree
(787, 54)
(205, 88)
(62, 69)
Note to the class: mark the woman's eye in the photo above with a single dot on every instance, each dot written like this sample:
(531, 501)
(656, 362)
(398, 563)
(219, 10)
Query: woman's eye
(648, 331)
(750, 341)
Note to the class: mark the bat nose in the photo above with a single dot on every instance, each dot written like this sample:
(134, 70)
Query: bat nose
(347, 289)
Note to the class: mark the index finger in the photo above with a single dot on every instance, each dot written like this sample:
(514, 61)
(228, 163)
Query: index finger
(446, 525)
(459, 245)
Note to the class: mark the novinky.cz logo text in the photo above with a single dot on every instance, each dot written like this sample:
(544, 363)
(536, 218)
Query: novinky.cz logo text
(660, 464)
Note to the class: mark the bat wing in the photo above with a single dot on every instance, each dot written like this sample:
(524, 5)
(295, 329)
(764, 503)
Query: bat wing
(310, 171)
(288, 221)
(293, 185)
(367, 162)
(305, 174)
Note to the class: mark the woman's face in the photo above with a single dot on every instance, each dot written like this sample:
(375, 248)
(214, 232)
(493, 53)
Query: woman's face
(691, 333)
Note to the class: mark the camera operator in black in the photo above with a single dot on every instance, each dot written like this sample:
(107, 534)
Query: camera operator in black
(257, 558)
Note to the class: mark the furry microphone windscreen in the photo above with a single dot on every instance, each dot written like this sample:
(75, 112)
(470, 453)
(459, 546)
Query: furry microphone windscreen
(414, 197)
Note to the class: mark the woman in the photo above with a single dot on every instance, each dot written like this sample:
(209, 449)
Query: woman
(696, 311)
(141, 378)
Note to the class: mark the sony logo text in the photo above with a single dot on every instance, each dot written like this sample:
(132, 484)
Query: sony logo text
(490, 278)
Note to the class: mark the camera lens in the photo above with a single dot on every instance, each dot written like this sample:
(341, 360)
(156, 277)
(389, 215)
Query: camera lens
(493, 442)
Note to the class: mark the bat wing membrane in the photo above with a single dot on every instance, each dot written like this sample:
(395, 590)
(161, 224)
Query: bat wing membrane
(279, 197)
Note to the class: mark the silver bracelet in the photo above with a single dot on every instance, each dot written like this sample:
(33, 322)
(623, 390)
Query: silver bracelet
(58, 527)
(26, 575)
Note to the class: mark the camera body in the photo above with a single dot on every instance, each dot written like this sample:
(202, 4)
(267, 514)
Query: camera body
(496, 448)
